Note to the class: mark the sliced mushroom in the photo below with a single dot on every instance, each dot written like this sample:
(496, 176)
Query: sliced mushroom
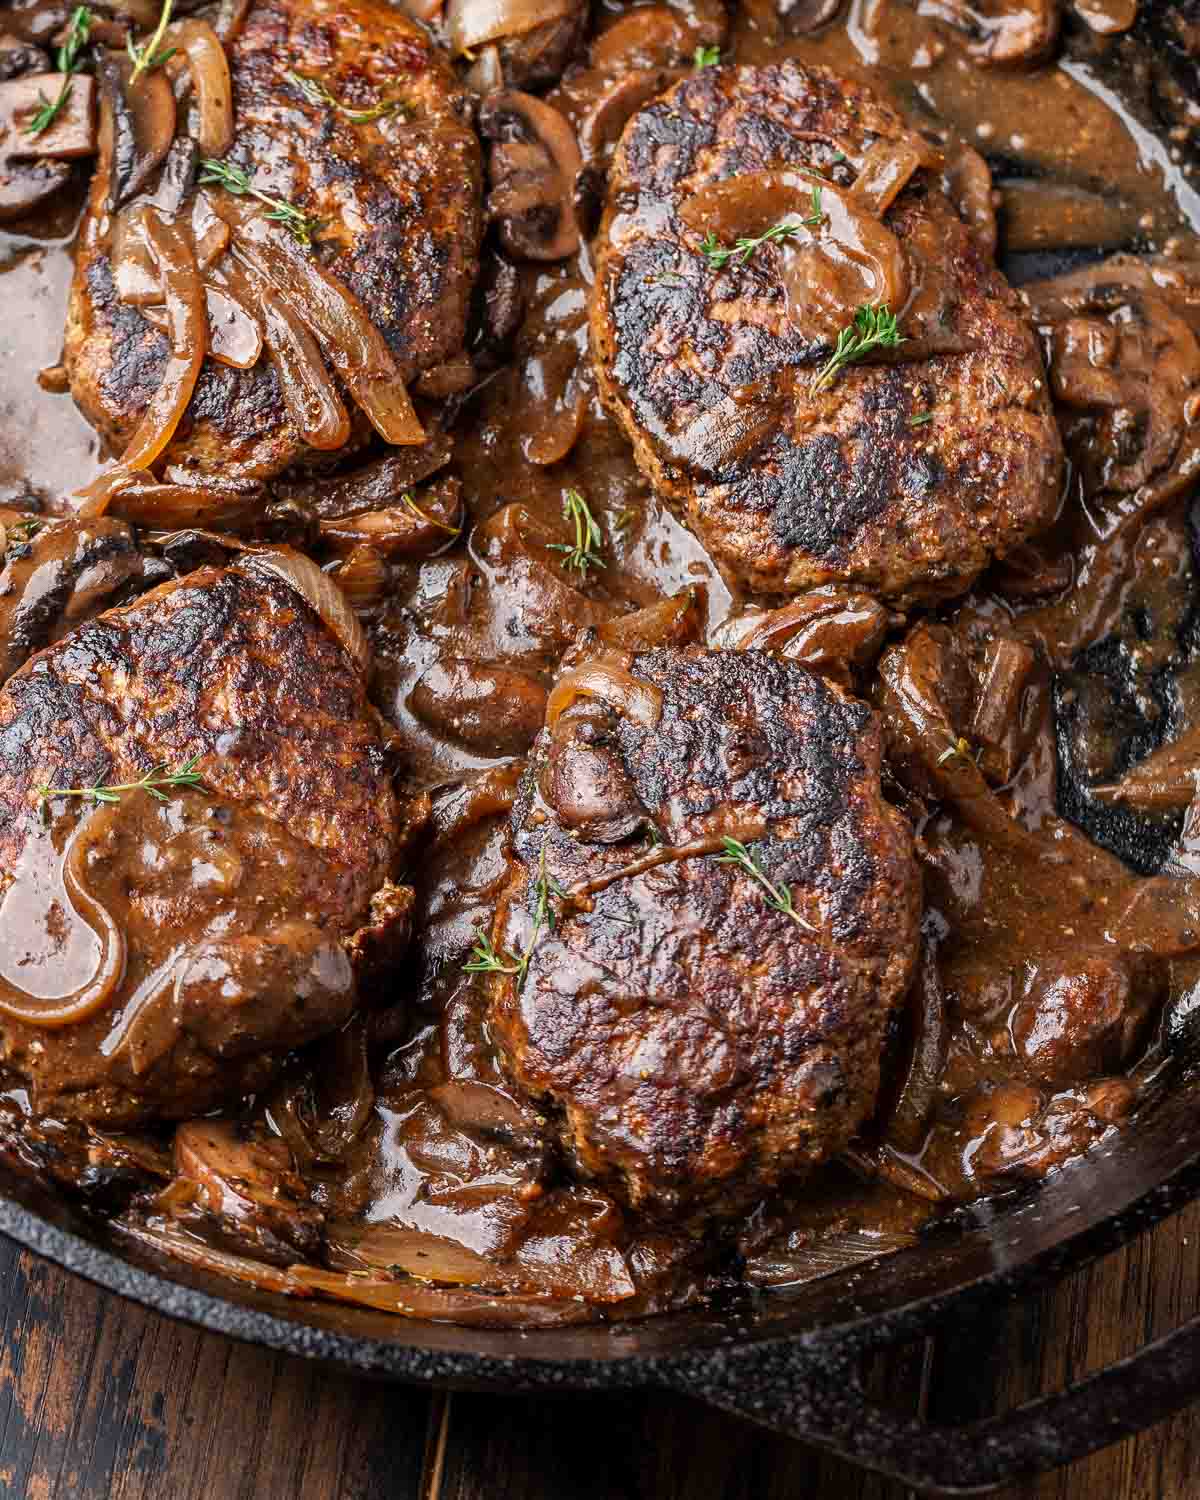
(532, 165)
(799, 17)
(539, 57)
(657, 36)
(137, 124)
(33, 167)
(1003, 33)
(17, 57)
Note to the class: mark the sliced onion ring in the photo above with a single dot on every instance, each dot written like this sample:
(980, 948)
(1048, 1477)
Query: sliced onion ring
(188, 318)
(308, 391)
(608, 679)
(211, 83)
(319, 590)
(348, 338)
(110, 971)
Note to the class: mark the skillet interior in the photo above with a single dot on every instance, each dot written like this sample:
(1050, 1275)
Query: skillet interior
(1089, 1207)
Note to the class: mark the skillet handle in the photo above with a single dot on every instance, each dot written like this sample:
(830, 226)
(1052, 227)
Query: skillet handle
(817, 1396)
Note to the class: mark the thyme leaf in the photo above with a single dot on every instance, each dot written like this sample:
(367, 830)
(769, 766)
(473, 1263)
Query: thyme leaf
(317, 93)
(152, 782)
(719, 256)
(407, 500)
(584, 554)
(486, 959)
(706, 57)
(779, 897)
(235, 180)
(874, 327)
(68, 64)
(152, 54)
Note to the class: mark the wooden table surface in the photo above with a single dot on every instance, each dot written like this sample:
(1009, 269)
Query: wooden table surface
(99, 1399)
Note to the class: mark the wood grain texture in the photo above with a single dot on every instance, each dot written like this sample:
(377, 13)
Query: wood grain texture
(99, 1399)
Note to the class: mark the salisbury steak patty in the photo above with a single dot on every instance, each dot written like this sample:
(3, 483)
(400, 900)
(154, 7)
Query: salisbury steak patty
(157, 956)
(693, 1043)
(903, 478)
(397, 199)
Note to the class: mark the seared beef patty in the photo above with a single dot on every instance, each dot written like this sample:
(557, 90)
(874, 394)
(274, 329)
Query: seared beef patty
(691, 1042)
(178, 948)
(902, 478)
(398, 204)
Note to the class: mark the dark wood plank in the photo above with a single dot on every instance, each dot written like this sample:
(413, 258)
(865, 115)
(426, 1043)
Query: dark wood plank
(648, 1447)
(100, 1399)
(1099, 1315)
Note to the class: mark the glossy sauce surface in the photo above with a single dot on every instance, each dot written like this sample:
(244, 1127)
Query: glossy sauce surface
(403, 1129)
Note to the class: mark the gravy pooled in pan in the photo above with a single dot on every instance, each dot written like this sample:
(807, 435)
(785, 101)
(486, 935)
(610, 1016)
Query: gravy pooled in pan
(599, 656)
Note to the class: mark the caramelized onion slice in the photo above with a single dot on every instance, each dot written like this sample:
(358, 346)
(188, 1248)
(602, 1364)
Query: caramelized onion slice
(348, 338)
(308, 392)
(110, 970)
(134, 272)
(413, 1299)
(188, 319)
(211, 84)
(194, 1252)
(608, 679)
(320, 591)
(471, 23)
(234, 337)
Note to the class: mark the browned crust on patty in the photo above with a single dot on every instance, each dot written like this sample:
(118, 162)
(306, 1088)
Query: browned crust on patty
(693, 1046)
(842, 487)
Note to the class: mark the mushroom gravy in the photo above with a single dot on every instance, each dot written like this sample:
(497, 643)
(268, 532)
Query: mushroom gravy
(1040, 728)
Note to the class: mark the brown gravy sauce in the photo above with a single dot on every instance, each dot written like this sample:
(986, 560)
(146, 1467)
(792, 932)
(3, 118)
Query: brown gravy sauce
(431, 1142)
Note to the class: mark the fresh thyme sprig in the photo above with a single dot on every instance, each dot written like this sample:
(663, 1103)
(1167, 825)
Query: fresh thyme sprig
(407, 500)
(874, 327)
(779, 897)
(588, 536)
(68, 64)
(234, 180)
(719, 256)
(152, 54)
(152, 782)
(317, 93)
(485, 959)
(706, 57)
(922, 419)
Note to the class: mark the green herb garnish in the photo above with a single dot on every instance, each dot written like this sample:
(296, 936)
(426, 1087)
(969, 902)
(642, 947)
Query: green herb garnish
(779, 897)
(706, 57)
(921, 418)
(873, 328)
(588, 536)
(234, 180)
(152, 55)
(485, 959)
(407, 500)
(68, 63)
(152, 782)
(317, 93)
(719, 257)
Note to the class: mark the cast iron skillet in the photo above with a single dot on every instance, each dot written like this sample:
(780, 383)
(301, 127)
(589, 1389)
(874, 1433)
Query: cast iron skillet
(786, 1359)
